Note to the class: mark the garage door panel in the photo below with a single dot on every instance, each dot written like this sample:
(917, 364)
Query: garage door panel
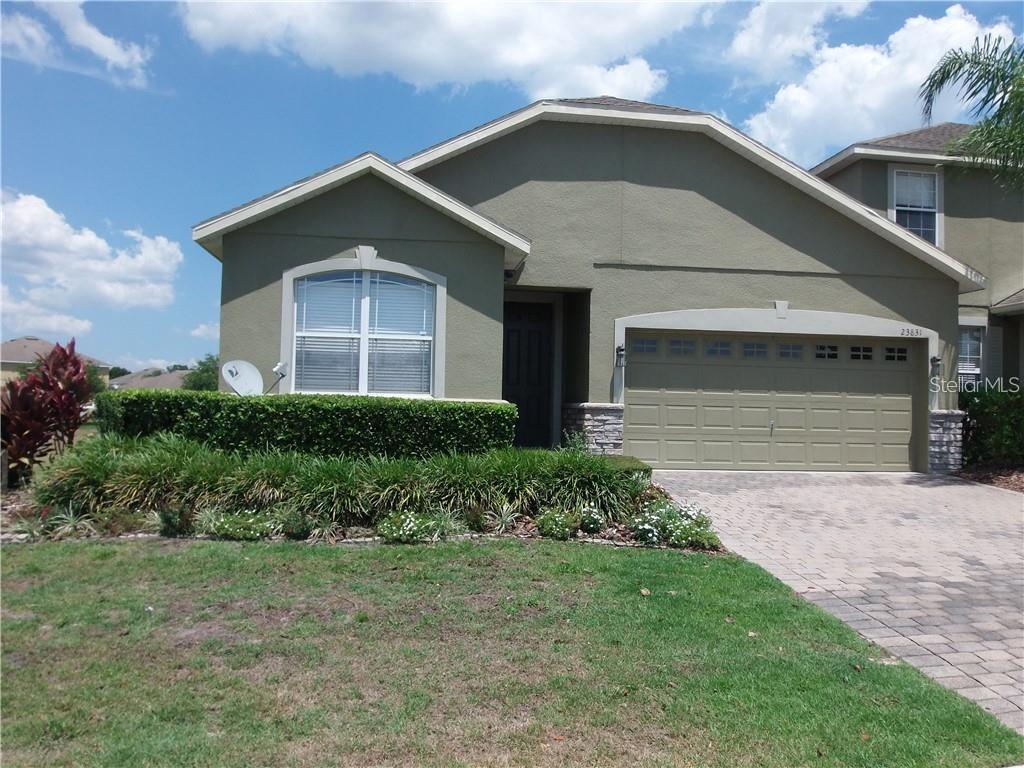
(754, 452)
(715, 412)
(718, 417)
(790, 454)
(790, 418)
(644, 449)
(681, 451)
(860, 420)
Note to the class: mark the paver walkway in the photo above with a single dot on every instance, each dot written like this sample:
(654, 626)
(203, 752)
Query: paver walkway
(930, 568)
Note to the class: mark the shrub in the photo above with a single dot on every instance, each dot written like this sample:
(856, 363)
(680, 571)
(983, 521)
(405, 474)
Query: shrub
(123, 479)
(661, 521)
(42, 410)
(557, 523)
(993, 427)
(325, 425)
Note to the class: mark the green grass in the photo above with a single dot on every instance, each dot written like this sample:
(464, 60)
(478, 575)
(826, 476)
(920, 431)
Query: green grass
(524, 653)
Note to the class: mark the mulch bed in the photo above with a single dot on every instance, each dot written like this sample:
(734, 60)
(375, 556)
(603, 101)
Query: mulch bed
(1010, 478)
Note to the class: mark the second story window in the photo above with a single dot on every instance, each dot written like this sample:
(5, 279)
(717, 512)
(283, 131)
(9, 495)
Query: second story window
(915, 202)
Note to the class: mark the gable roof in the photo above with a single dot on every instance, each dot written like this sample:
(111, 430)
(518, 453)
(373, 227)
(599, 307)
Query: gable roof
(210, 233)
(606, 110)
(927, 145)
(28, 349)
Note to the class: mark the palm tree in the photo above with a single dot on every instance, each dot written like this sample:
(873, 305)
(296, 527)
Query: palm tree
(990, 78)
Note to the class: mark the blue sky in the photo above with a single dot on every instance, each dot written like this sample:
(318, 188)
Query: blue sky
(125, 123)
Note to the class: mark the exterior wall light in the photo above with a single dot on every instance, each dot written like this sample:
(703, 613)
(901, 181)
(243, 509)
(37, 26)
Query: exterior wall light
(620, 356)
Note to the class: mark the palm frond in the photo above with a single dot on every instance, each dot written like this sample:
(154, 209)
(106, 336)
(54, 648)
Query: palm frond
(989, 76)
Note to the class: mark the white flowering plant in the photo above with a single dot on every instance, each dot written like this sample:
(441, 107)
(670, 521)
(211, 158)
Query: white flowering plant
(557, 523)
(244, 525)
(592, 519)
(406, 527)
(662, 521)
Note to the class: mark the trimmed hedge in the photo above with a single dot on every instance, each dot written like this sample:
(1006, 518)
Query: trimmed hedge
(325, 425)
(993, 428)
(123, 479)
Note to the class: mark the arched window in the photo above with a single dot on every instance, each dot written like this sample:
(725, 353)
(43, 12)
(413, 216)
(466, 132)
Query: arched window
(364, 331)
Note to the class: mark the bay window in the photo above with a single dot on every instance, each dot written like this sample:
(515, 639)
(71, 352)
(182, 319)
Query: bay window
(364, 331)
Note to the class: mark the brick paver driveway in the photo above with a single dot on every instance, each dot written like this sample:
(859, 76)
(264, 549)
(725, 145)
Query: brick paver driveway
(930, 568)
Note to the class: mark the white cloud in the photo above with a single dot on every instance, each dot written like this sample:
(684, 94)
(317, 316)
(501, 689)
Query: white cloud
(26, 38)
(65, 267)
(774, 36)
(206, 331)
(20, 316)
(566, 49)
(855, 92)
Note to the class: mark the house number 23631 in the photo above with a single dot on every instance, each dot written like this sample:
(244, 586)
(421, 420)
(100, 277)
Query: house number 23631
(911, 332)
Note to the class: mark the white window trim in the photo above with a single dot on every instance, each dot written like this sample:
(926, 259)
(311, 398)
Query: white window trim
(937, 172)
(981, 349)
(363, 258)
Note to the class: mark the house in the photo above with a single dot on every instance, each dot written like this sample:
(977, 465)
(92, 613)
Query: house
(915, 180)
(150, 378)
(646, 274)
(16, 354)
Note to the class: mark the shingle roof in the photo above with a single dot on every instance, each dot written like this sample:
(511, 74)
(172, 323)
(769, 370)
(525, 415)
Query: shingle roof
(613, 102)
(150, 378)
(935, 138)
(28, 349)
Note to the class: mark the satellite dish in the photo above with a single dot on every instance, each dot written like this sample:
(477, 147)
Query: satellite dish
(242, 377)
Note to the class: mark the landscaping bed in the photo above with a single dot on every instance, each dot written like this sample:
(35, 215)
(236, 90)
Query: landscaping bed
(532, 653)
(166, 483)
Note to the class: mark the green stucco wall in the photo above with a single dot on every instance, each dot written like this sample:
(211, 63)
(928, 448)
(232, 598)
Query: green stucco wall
(367, 211)
(649, 220)
(983, 222)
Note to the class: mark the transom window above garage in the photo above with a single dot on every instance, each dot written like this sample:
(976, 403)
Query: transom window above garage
(861, 353)
(644, 345)
(791, 351)
(895, 354)
(755, 349)
(718, 349)
(682, 347)
(826, 351)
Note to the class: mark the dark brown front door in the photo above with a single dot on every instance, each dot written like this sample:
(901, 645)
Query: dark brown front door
(526, 376)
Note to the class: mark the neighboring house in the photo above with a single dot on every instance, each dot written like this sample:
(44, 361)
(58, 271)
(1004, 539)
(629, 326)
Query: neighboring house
(150, 378)
(914, 180)
(26, 350)
(647, 274)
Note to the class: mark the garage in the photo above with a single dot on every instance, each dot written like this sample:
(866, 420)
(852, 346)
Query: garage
(760, 401)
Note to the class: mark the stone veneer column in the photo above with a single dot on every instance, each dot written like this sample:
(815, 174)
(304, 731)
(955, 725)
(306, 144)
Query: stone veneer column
(601, 424)
(945, 441)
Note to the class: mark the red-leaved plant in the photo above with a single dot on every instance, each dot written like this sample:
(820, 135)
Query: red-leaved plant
(41, 412)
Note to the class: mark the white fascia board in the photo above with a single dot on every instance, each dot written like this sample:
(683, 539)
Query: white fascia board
(854, 153)
(967, 278)
(209, 233)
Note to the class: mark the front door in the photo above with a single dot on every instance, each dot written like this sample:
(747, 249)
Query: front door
(526, 375)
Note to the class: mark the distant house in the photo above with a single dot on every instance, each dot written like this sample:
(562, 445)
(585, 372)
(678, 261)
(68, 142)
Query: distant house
(26, 350)
(150, 378)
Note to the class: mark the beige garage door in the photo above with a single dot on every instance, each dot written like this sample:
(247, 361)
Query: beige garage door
(771, 402)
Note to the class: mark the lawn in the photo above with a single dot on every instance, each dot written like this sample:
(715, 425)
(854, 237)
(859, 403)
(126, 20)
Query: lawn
(504, 652)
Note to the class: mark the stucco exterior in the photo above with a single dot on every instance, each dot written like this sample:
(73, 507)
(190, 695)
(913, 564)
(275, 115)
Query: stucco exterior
(367, 211)
(651, 220)
(983, 225)
(618, 220)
